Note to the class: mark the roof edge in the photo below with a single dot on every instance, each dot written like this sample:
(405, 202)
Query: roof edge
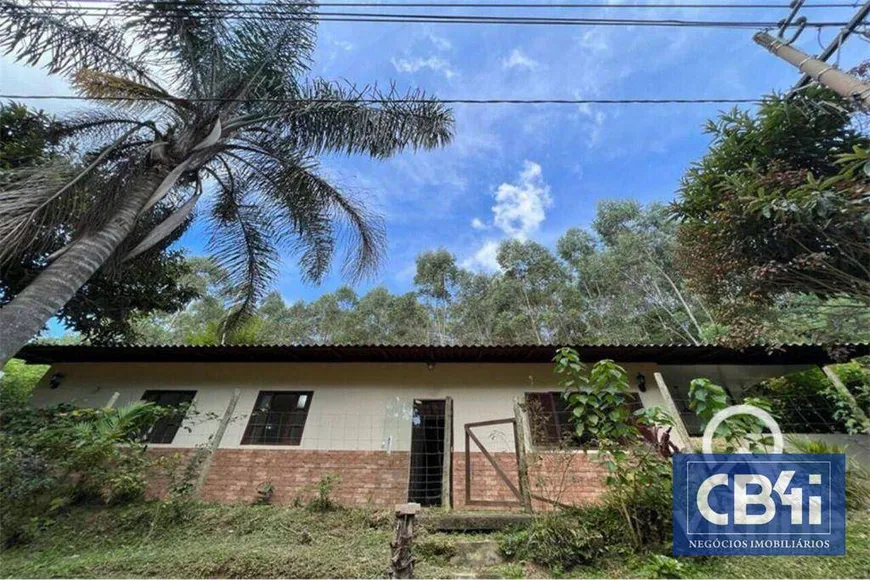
(803, 354)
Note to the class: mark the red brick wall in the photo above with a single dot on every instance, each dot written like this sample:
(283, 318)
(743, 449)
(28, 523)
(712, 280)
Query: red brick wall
(380, 479)
(485, 481)
(167, 461)
(569, 478)
(366, 477)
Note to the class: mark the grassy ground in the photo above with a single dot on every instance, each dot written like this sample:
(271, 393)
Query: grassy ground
(264, 541)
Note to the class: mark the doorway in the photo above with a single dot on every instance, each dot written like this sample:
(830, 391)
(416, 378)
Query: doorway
(427, 452)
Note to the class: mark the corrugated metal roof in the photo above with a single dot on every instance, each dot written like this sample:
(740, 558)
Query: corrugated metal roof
(795, 353)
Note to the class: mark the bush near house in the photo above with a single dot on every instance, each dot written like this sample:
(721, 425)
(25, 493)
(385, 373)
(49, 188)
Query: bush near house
(57, 457)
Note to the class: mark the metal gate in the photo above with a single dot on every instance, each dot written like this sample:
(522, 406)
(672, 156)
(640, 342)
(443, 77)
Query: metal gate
(517, 490)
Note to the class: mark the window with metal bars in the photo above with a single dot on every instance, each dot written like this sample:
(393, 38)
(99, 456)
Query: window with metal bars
(164, 430)
(550, 420)
(278, 418)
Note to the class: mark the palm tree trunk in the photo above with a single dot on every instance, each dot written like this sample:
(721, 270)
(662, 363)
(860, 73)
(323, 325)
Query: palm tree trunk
(26, 315)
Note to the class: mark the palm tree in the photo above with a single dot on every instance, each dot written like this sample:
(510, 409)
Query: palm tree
(202, 102)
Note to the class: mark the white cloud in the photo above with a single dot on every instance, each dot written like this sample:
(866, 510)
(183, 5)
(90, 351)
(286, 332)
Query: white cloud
(343, 44)
(519, 210)
(594, 122)
(440, 42)
(595, 40)
(518, 59)
(484, 258)
(521, 207)
(412, 65)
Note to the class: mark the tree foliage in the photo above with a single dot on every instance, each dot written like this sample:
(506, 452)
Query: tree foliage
(778, 206)
(626, 289)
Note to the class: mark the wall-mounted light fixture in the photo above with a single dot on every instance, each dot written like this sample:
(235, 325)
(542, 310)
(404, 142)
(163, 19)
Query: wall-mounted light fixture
(641, 382)
(430, 365)
(54, 381)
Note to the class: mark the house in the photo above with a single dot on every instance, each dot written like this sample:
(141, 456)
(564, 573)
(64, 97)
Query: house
(440, 425)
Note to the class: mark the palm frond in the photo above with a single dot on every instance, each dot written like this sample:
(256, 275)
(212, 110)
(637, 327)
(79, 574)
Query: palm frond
(190, 36)
(125, 93)
(241, 244)
(99, 125)
(316, 209)
(65, 44)
(29, 203)
(328, 117)
(311, 216)
(268, 51)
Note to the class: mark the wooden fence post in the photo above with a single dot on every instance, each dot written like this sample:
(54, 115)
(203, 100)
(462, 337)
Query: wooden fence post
(679, 426)
(847, 396)
(401, 559)
(216, 440)
(447, 464)
(522, 464)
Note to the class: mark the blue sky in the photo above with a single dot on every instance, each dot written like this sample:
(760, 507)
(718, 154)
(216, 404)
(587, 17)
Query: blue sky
(527, 172)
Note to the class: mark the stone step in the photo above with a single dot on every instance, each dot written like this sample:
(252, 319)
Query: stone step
(481, 554)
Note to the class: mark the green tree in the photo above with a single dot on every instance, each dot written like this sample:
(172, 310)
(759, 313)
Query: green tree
(778, 206)
(436, 280)
(231, 112)
(534, 277)
(624, 283)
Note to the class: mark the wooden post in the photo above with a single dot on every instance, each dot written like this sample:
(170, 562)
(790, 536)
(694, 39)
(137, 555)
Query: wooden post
(674, 412)
(447, 465)
(216, 440)
(847, 396)
(522, 464)
(401, 559)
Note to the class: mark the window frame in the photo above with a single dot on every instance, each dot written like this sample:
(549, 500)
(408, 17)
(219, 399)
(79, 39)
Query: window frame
(251, 437)
(558, 433)
(165, 424)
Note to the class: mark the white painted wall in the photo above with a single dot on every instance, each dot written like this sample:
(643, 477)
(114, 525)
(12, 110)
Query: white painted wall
(356, 406)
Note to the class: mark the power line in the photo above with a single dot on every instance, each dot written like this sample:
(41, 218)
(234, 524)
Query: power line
(466, 19)
(481, 5)
(454, 101)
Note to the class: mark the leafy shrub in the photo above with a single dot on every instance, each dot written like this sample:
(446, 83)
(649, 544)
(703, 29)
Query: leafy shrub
(707, 399)
(265, 491)
(557, 541)
(52, 458)
(648, 506)
(323, 501)
(633, 448)
(660, 566)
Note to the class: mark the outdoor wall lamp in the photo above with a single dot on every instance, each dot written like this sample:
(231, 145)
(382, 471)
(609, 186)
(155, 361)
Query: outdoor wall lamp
(54, 381)
(641, 382)
(430, 365)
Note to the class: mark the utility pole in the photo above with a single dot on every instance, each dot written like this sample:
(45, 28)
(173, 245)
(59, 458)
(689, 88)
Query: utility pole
(843, 84)
(835, 45)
